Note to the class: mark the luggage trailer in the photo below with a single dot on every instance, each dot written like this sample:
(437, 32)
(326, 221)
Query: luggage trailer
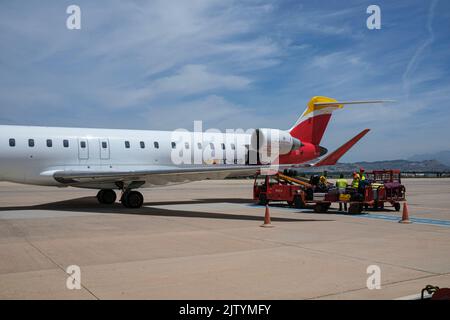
(381, 187)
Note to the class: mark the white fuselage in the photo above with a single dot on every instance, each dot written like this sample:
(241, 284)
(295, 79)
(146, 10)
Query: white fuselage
(31, 154)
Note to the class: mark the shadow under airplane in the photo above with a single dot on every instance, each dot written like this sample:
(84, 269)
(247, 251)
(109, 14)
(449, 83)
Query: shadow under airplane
(90, 205)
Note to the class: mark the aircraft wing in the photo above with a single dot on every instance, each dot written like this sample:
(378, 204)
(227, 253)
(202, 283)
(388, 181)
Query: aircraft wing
(333, 157)
(156, 175)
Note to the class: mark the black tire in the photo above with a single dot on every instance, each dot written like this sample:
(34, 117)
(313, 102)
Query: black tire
(100, 196)
(299, 203)
(355, 208)
(109, 196)
(132, 199)
(321, 208)
(397, 206)
(106, 196)
(263, 199)
(378, 205)
(309, 194)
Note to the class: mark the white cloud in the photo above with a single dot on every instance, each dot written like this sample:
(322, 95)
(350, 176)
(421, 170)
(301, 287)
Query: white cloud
(215, 112)
(340, 59)
(197, 78)
(189, 80)
(412, 64)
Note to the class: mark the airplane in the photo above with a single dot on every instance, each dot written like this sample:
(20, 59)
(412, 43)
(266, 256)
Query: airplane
(126, 160)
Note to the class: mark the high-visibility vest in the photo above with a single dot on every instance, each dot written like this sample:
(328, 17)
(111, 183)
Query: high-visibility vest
(355, 183)
(341, 183)
(363, 176)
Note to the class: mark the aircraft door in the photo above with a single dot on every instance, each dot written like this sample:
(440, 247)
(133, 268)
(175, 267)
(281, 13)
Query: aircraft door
(104, 149)
(83, 149)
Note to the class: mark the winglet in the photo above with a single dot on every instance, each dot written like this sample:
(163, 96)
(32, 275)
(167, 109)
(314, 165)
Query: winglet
(333, 157)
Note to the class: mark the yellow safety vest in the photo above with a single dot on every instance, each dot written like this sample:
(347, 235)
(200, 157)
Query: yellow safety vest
(363, 177)
(355, 183)
(341, 183)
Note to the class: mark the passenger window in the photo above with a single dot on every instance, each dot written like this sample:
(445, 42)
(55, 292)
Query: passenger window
(104, 145)
(31, 142)
(83, 144)
(186, 145)
(223, 146)
(12, 142)
(127, 144)
(174, 145)
(156, 144)
(233, 146)
(49, 143)
(199, 145)
(211, 145)
(66, 143)
(142, 143)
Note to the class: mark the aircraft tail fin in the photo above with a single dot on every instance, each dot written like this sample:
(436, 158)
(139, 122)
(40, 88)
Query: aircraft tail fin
(311, 125)
(334, 157)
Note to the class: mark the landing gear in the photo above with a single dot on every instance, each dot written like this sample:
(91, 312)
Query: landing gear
(132, 199)
(106, 196)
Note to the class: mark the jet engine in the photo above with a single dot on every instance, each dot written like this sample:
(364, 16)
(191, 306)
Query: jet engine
(271, 141)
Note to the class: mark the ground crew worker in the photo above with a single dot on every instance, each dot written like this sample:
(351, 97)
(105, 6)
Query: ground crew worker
(362, 175)
(341, 185)
(322, 185)
(355, 182)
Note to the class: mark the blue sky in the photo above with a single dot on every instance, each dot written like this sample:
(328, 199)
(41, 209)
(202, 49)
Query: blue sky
(232, 64)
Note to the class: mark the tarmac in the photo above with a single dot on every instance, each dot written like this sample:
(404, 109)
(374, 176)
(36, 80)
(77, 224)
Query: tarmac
(203, 240)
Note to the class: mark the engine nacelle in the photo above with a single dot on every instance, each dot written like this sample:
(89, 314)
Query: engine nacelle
(272, 141)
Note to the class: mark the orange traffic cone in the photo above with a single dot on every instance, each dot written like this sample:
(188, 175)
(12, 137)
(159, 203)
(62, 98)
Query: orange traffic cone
(405, 215)
(267, 223)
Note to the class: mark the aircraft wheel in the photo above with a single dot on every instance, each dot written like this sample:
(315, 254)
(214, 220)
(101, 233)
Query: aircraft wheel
(132, 199)
(106, 196)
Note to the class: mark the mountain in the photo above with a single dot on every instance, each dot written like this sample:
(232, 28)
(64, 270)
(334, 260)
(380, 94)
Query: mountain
(442, 156)
(403, 165)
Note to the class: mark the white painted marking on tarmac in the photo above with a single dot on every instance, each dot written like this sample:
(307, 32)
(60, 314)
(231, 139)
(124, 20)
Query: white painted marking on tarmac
(415, 297)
